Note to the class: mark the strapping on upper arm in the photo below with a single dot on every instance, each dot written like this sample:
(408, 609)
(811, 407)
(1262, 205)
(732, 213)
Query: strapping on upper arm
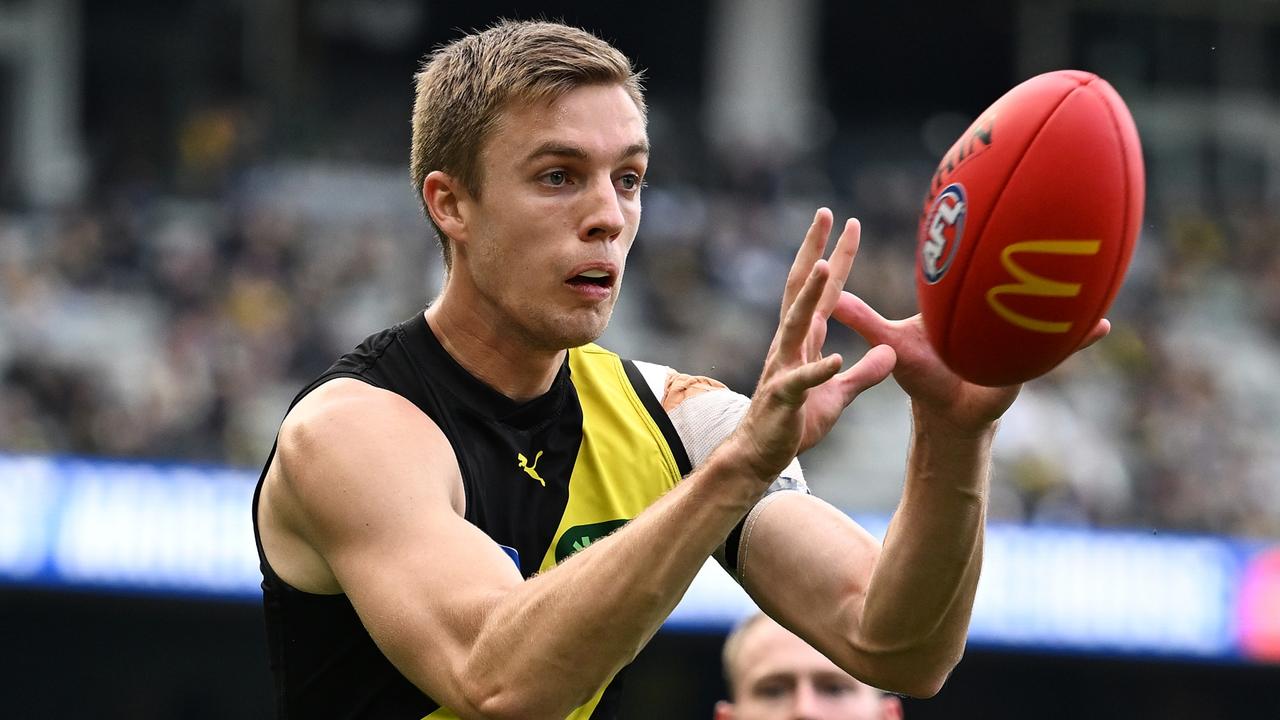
(732, 553)
(704, 413)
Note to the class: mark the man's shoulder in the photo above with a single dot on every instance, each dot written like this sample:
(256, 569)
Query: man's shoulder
(342, 409)
(341, 395)
(352, 430)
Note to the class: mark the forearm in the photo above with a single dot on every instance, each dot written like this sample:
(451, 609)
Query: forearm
(932, 553)
(588, 617)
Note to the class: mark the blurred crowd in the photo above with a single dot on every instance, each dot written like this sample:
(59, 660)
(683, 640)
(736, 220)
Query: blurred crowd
(165, 327)
(156, 321)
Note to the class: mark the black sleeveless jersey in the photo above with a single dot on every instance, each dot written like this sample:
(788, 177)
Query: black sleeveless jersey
(542, 479)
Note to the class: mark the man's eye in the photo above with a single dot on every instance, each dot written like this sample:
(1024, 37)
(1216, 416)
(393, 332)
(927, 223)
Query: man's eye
(771, 691)
(556, 178)
(631, 181)
(833, 689)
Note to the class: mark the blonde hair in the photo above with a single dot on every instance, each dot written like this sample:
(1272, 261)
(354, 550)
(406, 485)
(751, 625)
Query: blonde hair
(463, 88)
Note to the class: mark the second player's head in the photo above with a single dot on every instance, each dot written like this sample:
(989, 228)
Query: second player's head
(775, 675)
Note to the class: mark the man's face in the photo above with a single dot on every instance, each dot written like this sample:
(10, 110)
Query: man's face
(558, 210)
(778, 676)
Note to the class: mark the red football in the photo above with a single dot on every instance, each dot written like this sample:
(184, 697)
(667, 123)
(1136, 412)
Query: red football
(1028, 228)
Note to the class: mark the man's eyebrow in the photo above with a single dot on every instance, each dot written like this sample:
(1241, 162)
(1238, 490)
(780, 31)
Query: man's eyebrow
(554, 148)
(842, 677)
(640, 148)
(557, 149)
(785, 676)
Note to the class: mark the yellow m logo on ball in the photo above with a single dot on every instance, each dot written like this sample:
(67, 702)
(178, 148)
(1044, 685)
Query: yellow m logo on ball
(1031, 284)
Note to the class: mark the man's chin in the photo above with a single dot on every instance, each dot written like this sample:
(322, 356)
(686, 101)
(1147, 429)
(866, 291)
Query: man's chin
(575, 332)
(573, 340)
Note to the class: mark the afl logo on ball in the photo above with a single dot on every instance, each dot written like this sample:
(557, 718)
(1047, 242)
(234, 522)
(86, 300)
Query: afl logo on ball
(942, 230)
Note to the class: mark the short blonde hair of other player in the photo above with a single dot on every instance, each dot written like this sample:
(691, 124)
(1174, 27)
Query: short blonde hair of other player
(774, 675)
(464, 89)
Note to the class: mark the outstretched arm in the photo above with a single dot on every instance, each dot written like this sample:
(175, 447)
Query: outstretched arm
(895, 616)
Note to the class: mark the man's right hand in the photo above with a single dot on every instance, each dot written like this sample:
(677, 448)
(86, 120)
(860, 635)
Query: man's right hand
(801, 394)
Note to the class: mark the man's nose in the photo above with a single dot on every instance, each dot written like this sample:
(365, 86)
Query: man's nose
(808, 705)
(604, 218)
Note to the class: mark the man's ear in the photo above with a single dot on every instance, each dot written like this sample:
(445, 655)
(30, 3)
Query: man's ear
(724, 710)
(444, 196)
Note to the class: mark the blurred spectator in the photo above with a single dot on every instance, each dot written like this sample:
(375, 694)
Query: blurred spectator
(774, 675)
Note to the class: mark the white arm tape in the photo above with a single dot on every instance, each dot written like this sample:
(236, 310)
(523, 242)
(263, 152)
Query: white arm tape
(706, 419)
(703, 422)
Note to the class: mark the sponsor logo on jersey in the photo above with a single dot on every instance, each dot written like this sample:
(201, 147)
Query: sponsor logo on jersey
(943, 231)
(530, 469)
(579, 537)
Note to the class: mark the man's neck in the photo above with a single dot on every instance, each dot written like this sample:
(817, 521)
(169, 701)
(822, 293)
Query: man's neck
(490, 352)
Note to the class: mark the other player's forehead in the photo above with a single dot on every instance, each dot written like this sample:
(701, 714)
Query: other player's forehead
(793, 675)
(768, 647)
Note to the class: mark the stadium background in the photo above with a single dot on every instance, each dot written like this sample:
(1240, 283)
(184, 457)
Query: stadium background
(202, 203)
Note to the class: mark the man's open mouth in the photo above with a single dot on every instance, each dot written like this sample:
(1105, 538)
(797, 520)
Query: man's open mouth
(598, 278)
